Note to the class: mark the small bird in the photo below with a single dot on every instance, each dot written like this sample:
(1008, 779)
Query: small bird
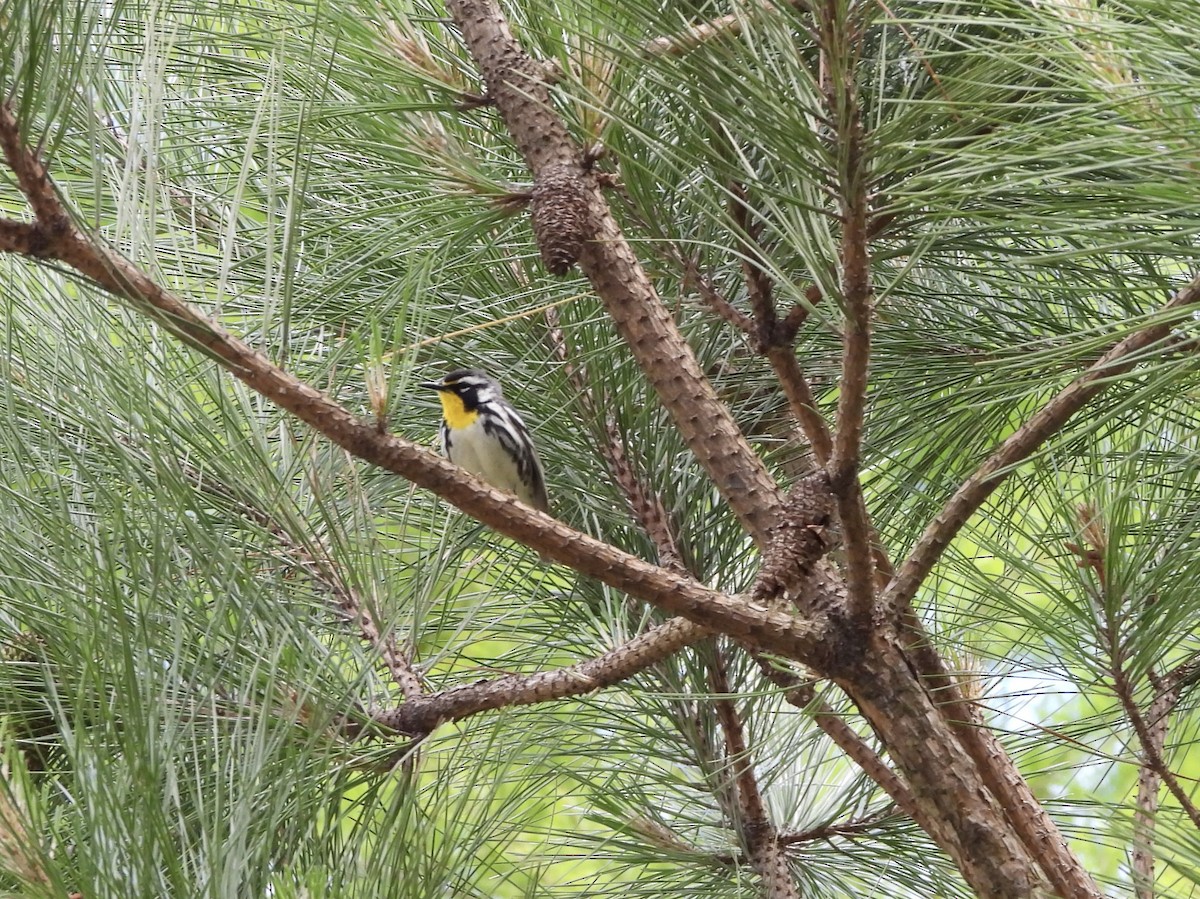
(485, 435)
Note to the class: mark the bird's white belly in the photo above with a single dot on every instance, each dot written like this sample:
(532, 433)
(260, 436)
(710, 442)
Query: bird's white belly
(482, 455)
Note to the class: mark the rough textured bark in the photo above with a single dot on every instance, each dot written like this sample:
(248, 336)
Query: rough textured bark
(838, 34)
(943, 780)
(422, 715)
(1029, 818)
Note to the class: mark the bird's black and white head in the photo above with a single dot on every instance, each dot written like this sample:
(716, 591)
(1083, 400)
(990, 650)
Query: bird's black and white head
(470, 385)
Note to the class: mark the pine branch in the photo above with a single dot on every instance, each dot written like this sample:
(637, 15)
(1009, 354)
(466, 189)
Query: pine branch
(775, 339)
(1121, 358)
(836, 31)
(645, 505)
(702, 284)
(314, 558)
(835, 829)
(1025, 813)
(800, 399)
(23, 238)
(421, 716)
(772, 630)
(1145, 819)
(580, 223)
(800, 693)
(968, 820)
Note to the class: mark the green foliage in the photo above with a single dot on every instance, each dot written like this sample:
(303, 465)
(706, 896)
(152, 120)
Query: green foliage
(171, 548)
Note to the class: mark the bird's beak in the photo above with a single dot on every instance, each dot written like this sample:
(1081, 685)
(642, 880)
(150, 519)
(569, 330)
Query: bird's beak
(432, 385)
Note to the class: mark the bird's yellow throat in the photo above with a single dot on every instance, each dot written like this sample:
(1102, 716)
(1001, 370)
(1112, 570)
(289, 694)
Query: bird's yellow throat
(457, 415)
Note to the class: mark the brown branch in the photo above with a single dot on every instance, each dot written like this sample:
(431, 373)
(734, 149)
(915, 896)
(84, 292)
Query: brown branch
(1025, 813)
(23, 238)
(421, 716)
(1145, 816)
(772, 630)
(758, 835)
(800, 400)
(32, 178)
(1030, 822)
(1151, 736)
(798, 314)
(779, 352)
(1028, 818)
(777, 344)
(969, 820)
(702, 284)
(605, 257)
(646, 505)
(775, 339)
(836, 33)
(1119, 359)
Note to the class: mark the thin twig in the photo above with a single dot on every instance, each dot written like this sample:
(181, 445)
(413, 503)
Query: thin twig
(772, 338)
(834, 829)
(758, 834)
(801, 693)
(1153, 753)
(801, 402)
(702, 284)
(1151, 738)
(822, 832)
(646, 506)
(314, 558)
(1145, 816)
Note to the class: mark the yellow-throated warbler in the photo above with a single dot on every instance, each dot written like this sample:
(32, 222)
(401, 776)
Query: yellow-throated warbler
(485, 435)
